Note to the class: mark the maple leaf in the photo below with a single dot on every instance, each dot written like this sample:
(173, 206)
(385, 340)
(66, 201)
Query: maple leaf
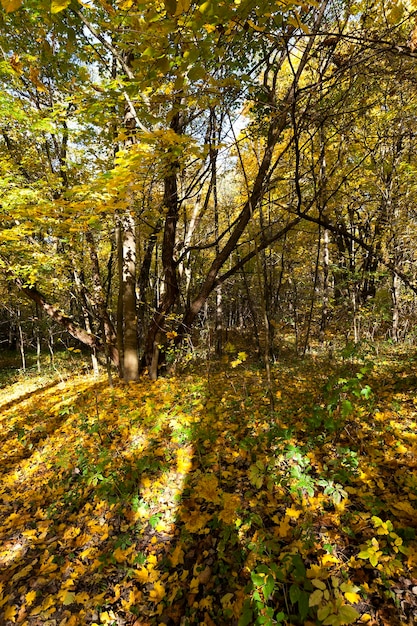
(82, 597)
(30, 596)
(10, 613)
(158, 592)
(67, 597)
(283, 528)
(195, 521)
(177, 556)
(231, 503)
(293, 513)
(350, 592)
(208, 488)
(141, 574)
(122, 555)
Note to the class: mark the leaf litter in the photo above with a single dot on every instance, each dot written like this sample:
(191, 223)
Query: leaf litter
(189, 501)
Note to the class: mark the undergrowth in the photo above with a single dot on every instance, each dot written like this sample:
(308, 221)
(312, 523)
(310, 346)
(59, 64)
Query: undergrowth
(190, 501)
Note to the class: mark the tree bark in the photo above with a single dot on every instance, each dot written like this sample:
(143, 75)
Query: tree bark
(171, 289)
(110, 338)
(130, 335)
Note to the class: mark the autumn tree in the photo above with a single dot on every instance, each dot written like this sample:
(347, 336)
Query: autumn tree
(119, 121)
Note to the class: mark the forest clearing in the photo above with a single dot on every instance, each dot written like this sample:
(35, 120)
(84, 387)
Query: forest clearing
(189, 500)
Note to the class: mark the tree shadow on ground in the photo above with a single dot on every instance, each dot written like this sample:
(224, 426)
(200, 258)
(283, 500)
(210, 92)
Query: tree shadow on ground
(189, 501)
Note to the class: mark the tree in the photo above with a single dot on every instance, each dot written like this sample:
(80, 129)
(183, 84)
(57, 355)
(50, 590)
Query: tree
(127, 114)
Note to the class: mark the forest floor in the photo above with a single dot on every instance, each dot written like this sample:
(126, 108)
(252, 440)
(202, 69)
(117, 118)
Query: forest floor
(196, 500)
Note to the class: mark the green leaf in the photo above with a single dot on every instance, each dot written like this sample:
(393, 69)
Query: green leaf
(363, 554)
(255, 475)
(347, 408)
(319, 584)
(247, 616)
(257, 579)
(294, 593)
(303, 604)
(69, 598)
(347, 614)
(315, 598)
(324, 612)
(268, 587)
(366, 392)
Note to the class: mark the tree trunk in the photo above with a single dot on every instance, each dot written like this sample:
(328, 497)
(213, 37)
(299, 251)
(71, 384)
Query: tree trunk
(99, 301)
(325, 302)
(171, 290)
(87, 317)
(130, 336)
(20, 340)
(395, 292)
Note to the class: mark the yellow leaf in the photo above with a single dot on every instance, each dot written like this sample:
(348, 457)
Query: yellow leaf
(158, 592)
(141, 575)
(404, 506)
(349, 591)
(120, 555)
(315, 598)
(329, 558)
(231, 503)
(283, 529)
(184, 461)
(161, 526)
(107, 617)
(11, 5)
(30, 596)
(225, 600)
(252, 24)
(117, 592)
(203, 8)
(195, 521)
(82, 597)
(207, 488)
(177, 557)
(48, 602)
(352, 597)
(59, 5)
(135, 597)
(294, 513)
(67, 597)
(315, 571)
(10, 613)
